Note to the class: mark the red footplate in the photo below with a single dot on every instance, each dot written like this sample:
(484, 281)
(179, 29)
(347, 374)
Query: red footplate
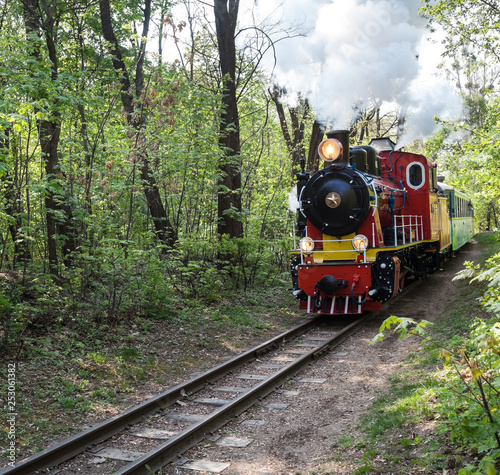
(349, 299)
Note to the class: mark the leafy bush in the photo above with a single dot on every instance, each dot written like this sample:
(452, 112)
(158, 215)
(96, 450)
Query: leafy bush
(469, 393)
(203, 269)
(117, 281)
(5, 318)
(470, 400)
(11, 322)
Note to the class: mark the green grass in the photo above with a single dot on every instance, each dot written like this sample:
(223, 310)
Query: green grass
(128, 353)
(345, 441)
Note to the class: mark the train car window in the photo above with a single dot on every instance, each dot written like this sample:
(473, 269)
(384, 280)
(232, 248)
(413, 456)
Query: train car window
(415, 175)
(463, 208)
(433, 178)
(470, 209)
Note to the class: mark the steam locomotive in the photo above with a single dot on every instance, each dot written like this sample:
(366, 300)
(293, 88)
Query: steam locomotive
(371, 219)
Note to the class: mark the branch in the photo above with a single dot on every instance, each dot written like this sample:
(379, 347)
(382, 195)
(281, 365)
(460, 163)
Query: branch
(275, 94)
(490, 4)
(139, 70)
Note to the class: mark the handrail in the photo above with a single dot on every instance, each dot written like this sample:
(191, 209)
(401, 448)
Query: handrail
(410, 224)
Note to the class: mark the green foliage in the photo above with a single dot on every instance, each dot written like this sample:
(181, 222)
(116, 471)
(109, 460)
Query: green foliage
(491, 297)
(117, 282)
(467, 22)
(470, 401)
(468, 151)
(471, 164)
(402, 326)
(111, 263)
(467, 389)
(6, 308)
(10, 304)
(489, 274)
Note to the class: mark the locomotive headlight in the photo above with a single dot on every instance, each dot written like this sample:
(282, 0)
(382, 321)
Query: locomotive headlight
(306, 244)
(360, 242)
(330, 150)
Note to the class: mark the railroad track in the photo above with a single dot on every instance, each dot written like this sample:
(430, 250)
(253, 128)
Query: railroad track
(150, 424)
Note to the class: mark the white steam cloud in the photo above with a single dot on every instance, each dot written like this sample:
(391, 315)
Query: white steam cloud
(293, 201)
(359, 52)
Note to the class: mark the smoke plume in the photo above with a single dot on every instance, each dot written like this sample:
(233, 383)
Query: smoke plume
(353, 54)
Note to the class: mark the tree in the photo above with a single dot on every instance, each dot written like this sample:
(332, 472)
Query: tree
(237, 68)
(41, 20)
(12, 166)
(10, 183)
(470, 24)
(134, 95)
(294, 138)
(229, 193)
(472, 42)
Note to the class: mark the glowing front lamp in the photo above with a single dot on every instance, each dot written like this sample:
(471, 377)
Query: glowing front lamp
(330, 150)
(306, 244)
(360, 242)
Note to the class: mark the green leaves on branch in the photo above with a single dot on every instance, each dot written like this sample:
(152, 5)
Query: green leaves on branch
(489, 274)
(402, 327)
(470, 400)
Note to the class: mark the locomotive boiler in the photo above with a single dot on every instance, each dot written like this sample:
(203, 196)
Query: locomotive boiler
(371, 219)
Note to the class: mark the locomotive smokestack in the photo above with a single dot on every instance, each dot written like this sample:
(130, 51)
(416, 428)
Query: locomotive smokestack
(343, 137)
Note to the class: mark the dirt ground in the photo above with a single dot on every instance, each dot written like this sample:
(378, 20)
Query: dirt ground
(304, 435)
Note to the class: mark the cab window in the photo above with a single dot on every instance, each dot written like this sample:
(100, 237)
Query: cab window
(415, 175)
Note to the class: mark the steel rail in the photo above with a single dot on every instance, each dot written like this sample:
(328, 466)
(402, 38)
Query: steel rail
(74, 445)
(171, 449)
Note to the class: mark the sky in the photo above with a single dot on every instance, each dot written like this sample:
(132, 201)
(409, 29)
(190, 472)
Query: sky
(348, 54)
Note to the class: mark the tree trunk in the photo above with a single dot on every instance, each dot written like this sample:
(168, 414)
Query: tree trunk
(135, 118)
(229, 194)
(12, 205)
(298, 136)
(317, 134)
(49, 133)
(48, 130)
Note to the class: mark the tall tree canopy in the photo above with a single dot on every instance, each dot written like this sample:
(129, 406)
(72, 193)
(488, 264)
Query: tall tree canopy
(470, 158)
(470, 24)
